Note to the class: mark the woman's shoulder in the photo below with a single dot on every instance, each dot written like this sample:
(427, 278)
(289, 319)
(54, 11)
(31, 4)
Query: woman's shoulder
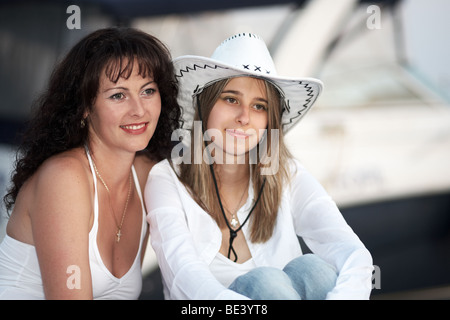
(164, 167)
(164, 175)
(66, 174)
(61, 186)
(60, 178)
(299, 175)
(294, 167)
(67, 165)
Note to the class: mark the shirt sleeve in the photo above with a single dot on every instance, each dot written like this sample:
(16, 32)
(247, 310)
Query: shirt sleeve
(319, 222)
(185, 275)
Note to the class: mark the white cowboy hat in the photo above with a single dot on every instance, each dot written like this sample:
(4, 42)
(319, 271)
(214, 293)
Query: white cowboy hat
(244, 54)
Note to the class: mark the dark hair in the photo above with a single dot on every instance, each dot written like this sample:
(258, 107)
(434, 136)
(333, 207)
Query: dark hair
(72, 90)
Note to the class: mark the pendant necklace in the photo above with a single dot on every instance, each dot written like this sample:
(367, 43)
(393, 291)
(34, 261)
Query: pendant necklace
(234, 221)
(119, 226)
(233, 232)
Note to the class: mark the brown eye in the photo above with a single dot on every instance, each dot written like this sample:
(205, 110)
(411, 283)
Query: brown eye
(231, 100)
(260, 107)
(117, 96)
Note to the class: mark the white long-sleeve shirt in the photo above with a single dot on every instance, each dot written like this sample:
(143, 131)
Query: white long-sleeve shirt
(186, 239)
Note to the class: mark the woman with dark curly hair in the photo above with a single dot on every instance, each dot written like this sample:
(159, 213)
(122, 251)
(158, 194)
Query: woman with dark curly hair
(77, 227)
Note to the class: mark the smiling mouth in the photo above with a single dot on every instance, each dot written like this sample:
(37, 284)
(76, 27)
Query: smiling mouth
(136, 128)
(238, 133)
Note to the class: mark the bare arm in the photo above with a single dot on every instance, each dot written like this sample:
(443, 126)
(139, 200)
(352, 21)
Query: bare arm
(60, 220)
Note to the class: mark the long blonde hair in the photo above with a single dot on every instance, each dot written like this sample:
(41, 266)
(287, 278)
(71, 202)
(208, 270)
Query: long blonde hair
(198, 179)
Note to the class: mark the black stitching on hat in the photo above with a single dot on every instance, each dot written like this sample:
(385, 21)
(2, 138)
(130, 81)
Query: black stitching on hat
(287, 106)
(195, 67)
(257, 68)
(246, 66)
(310, 94)
(250, 35)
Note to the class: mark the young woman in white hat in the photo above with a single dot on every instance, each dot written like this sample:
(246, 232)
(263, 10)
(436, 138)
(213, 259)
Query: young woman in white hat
(227, 210)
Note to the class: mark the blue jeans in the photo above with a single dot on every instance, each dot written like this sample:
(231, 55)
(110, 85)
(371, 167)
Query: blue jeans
(305, 278)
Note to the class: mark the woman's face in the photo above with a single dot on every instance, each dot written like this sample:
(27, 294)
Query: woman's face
(240, 115)
(125, 114)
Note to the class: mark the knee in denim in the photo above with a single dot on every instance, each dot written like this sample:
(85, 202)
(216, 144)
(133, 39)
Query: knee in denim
(265, 283)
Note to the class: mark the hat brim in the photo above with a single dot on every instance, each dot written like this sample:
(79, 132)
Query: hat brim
(194, 73)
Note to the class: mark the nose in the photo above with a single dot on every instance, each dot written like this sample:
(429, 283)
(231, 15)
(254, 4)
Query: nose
(136, 107)
(243, 116)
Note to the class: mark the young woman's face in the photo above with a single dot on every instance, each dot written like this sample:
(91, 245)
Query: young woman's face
(240, 115)
(125, 114)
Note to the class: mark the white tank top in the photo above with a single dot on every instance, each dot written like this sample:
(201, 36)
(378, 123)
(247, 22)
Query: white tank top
(20, 276)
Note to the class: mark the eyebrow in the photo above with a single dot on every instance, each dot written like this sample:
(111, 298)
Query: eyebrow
(126, 89)
(238, 93)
